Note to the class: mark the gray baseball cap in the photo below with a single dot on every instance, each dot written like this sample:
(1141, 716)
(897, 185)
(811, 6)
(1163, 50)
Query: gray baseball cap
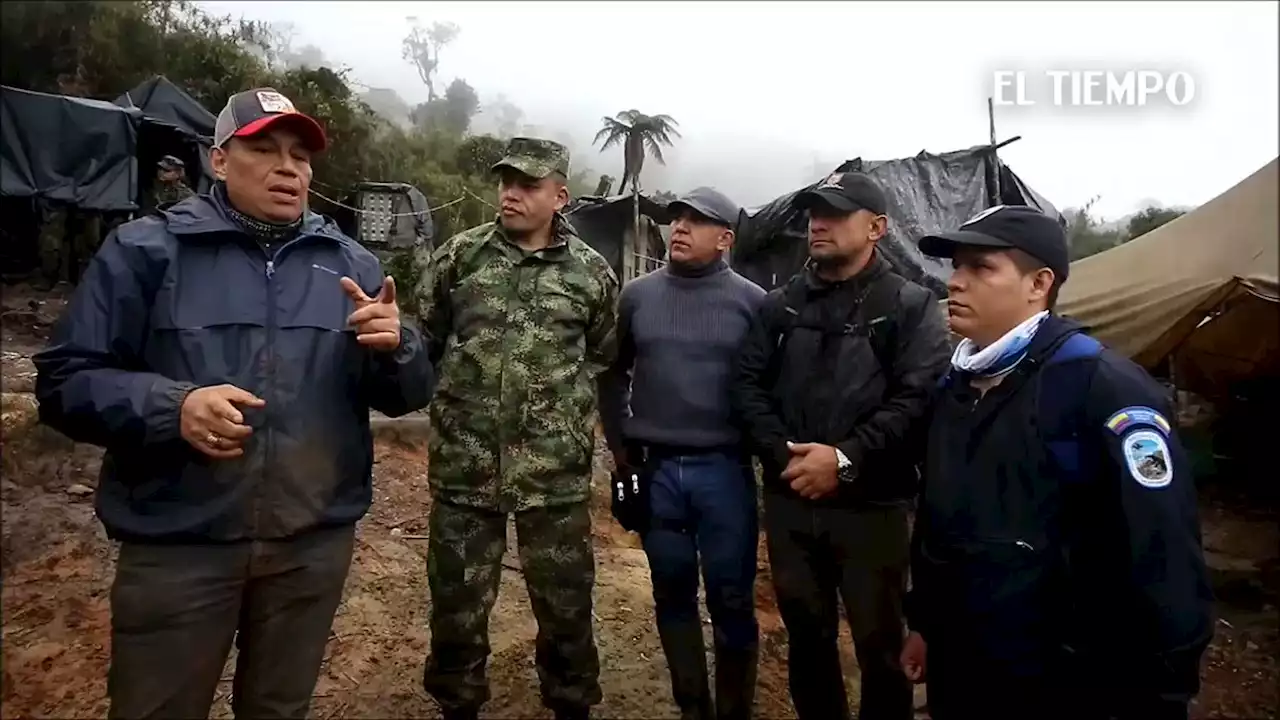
(253, 111)
(709, 203)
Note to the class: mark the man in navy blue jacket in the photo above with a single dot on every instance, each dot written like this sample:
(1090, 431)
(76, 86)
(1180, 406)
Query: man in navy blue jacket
(1057, 570)
(226, 352)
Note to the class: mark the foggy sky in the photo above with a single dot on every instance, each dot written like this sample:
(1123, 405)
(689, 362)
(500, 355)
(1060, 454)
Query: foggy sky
(769, 94)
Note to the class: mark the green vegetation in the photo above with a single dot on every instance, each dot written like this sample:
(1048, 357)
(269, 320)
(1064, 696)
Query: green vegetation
(1090, 236)
(101, 48)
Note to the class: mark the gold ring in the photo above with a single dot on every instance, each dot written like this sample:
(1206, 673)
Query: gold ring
(213, 439)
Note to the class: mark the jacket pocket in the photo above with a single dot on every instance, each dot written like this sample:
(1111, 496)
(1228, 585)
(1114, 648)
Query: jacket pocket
(996, 592)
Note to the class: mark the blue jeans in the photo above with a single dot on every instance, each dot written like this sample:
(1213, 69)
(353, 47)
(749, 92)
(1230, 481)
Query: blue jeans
(713, 496)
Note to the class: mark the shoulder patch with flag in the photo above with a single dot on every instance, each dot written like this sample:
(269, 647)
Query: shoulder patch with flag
(1136, 416)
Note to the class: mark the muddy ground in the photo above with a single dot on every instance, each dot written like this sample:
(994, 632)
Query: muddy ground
(57, 564)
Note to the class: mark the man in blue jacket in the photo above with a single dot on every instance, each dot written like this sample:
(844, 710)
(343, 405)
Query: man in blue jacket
(226, 352)
(1057, 570)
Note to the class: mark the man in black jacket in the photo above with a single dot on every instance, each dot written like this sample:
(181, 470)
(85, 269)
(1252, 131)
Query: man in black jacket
(834, 375)
(1057, 571)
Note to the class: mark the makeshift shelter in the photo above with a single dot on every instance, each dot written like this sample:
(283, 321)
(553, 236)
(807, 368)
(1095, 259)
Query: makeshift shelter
(927, 193)
(71, 150)
(608, 225)
(1197, 295)
(174, 123)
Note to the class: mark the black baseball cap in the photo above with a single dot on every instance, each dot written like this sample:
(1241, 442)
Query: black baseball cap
(253, 111)
(845, 192)
(1008, 226)
(709, 203)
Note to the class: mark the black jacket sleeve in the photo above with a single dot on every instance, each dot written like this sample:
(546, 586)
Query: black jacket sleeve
(1166, 605)
(615, 383)
(750, 393)
(89, 379)
(921, 356)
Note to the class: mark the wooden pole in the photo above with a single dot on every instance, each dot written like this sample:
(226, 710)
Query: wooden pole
(995, 159)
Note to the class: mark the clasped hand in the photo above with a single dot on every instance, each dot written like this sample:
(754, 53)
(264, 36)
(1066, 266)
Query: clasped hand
(812, 469)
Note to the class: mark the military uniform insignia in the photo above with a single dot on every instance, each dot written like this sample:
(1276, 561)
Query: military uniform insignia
(832, 181)
(1147, 455)
(1134, 416)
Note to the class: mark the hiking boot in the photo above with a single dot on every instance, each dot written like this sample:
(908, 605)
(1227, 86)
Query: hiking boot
(735, 682)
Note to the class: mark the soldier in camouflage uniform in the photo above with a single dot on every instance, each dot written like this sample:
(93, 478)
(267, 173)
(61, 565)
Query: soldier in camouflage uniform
(52, 242)
(169, 186)
(521, 316)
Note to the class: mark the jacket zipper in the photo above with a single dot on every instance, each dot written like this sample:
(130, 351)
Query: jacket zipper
(270, 384)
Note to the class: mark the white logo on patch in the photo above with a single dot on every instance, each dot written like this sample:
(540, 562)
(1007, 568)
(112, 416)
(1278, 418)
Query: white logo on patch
(1147, 455)
(832, 181)
(274, 102)
(984, 213)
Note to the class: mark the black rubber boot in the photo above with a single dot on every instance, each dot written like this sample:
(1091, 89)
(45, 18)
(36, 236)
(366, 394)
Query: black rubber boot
(687, 660)
(465, 713)
(573, 713)
(736, 682)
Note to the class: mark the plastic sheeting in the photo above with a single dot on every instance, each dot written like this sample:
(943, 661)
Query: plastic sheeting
(161, 100)
(927, 193)
(71, 150)
(168, 106)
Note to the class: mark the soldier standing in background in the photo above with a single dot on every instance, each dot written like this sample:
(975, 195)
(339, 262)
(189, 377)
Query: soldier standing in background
(520, 316)
(52, 241)
(169, 186)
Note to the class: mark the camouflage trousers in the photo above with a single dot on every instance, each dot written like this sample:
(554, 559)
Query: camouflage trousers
(464, 567)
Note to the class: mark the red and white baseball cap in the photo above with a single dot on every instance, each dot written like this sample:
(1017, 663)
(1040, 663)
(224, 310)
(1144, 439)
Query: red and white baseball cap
(254, 111)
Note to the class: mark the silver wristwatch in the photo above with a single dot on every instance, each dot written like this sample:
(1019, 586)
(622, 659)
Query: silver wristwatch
(844, 467)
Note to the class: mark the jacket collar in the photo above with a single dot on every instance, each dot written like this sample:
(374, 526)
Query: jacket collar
(872, 272)
(562, 234)
(202, 215)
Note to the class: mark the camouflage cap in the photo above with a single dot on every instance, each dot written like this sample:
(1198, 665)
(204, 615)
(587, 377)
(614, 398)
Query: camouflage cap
(535, 157)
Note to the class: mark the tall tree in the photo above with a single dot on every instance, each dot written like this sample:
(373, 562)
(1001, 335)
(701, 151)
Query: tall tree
(639, 135)
(422, 48)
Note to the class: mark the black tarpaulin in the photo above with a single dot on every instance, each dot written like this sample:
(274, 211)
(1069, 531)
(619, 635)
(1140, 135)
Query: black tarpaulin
(179, 125)
(159, 99)
(927, 193)
(71, 150)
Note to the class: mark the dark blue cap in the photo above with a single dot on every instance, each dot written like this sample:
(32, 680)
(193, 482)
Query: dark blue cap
(709, 203)
(1007, 226)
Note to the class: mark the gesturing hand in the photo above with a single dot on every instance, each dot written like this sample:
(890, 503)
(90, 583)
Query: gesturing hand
(812, 469)
(211, 423)
(376, 319)
(914, 658)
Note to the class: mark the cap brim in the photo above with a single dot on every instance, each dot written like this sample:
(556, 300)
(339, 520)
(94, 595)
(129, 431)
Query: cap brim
(826, 198)
(943, 245)
(529, 167)
(675, 206)
(307, 128)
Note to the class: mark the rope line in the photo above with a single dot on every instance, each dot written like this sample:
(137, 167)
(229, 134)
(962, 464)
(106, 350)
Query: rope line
(359, 211)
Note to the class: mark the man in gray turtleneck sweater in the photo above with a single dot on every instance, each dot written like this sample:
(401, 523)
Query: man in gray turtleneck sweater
(666, 414)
